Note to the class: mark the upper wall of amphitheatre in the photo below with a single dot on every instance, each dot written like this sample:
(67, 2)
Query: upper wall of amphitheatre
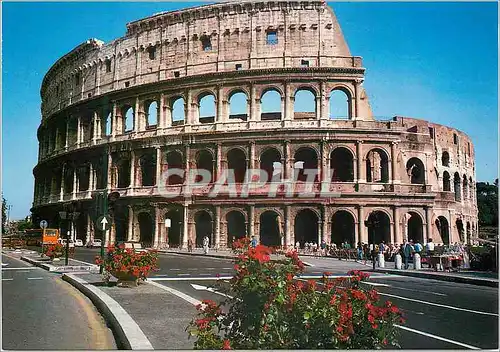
(196, 41)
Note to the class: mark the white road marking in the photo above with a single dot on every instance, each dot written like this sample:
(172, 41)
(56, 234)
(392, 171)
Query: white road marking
(25, 268)
(308, 264)
(5, 264)
(227, 268)
(436, 337)
(439, 305)
(35, 278)
(7, 279)
(189, 278)
(183, 274)
(210, 289)
(375, 284)
(409, 289)
(179, 294)
(175, 269)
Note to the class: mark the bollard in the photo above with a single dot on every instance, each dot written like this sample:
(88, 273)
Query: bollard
(417, 264)
(381, 260)
(398, 261)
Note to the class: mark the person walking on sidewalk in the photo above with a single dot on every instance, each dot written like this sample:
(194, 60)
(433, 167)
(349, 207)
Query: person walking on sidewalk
(407, 250)
(206, 242)
(253, 243)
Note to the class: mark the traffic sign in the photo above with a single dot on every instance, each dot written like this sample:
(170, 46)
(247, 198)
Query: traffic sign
(103, 222)
(44, 224)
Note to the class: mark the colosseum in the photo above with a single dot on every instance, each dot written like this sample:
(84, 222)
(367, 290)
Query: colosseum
(267, 85)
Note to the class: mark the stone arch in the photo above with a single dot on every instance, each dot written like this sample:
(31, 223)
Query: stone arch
(456, 186)
(340, 103)
(305, 158)
(304, 103)
(128, 118)
(446, 182)
(343, 227)
(342, 165)
(269, 229)
(146, 228)
(206, 107)
(466, 187)
(151, 109)
(174, 233)
(178, 110)
(238, 104)
(379, 227)
(123, 170)
(460, 229)
(147, 164)
(445, 159)
(237, 162)
(120, 219)
(205, 161)
(306, 227)
(203, 227)
(236, 226)
(83, 177)
(416, 171)
(377, 165)
(108, 125)
(270, 162)
(174, 160)
(443, 229)
(415, 227)
(270, 104)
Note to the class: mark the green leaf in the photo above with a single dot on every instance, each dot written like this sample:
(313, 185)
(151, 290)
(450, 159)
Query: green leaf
(307, 315)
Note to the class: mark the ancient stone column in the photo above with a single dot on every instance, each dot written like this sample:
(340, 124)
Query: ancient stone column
(130, 232)
(217, 226)
(288, 226)
(185, 226)
(132, 169)
(360, 158)
(158, 165)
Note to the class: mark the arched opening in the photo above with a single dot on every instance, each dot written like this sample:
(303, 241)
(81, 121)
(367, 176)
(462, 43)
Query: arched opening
(341, 165)
(306, 163)
(203, 225)
(339, 104)
(205, 161)
(152, 117)
(460, 229)
(86, 128)
(445, 159)
(270, 162)
(377, 166)
(174, 161)
(72, 131)
(379, 227)
(178, 111)
(146, 229)
(466, 188)
(469, 233)
(456, 186)
(446, 182)
(206, 108)
(443, 229)
(270, 105)
(123, 173)
(342, 228)
(148, 169)
(109, 125)
(121, 224)
(83, 178)
(415, 228)
(304, 106)
(81, 228)
(238, 106)
(68, 179)
(174, 232)
(415, 170)
(236, 226)
(270, 232)
(129, 119)
(236, 161)
(306, 227)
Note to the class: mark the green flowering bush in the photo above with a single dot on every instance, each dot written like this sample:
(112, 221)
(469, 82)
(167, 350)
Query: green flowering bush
(271, 310)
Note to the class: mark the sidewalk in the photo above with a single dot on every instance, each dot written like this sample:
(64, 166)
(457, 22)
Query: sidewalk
(142, 318)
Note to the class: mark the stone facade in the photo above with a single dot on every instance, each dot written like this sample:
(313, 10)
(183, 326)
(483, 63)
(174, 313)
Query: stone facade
(135, 104)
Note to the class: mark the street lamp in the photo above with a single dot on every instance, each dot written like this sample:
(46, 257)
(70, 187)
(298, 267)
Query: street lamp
(64, 215)
(168, 224)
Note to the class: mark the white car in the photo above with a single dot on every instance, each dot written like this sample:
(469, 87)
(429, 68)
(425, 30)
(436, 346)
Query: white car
(63, 242)
(78, 243)
(96, 243)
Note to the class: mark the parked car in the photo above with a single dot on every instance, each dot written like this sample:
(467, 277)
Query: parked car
(79, 243)
(63, 242)
(96, 243)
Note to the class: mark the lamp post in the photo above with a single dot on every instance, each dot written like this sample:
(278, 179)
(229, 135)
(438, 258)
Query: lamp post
(69, 217)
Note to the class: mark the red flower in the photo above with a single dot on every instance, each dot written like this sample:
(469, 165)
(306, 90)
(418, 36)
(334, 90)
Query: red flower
(226, 345)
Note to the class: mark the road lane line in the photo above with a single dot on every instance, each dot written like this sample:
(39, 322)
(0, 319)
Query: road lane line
(7, 279)
(439, 305)
(402, 288)
(35, 278)
(436, 337)
(25, 269)
(175, 269)
(183, 274)
(204, 278)
(179, 294)
(375, 284)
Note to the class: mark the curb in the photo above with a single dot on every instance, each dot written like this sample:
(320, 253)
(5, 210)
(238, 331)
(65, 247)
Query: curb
(451, 278)
(127, 332)
(61, 269)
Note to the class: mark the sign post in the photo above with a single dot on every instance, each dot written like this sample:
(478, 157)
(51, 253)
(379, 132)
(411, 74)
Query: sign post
(168, 224)
(103, 223)
(43, 226)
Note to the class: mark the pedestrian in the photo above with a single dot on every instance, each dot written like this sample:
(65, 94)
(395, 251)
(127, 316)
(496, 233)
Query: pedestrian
(206, 242)
(323, 248)
(374, 255)
(253, 242)
(190, 245)
(429, 247)
(297, 246)
(418, 247)
(360, 251)
(407, 250)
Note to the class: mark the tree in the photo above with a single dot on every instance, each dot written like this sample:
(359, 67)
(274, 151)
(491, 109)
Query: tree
(4, 214)
(487, 203)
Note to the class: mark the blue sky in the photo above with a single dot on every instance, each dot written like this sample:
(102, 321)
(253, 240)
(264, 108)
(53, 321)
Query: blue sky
(436, 61)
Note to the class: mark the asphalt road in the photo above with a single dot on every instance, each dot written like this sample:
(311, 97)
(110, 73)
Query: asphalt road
(42, 312)
(440, 315)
